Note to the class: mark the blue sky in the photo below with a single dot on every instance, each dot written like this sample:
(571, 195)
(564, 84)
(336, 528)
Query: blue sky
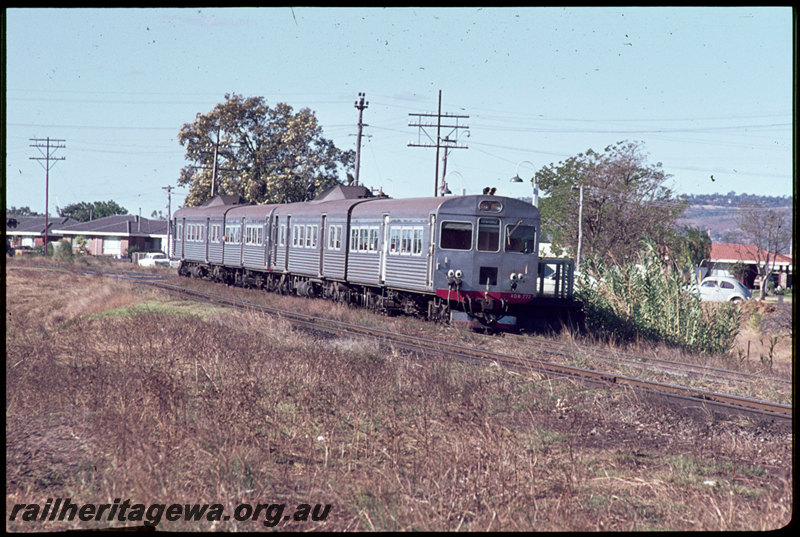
(707, 91)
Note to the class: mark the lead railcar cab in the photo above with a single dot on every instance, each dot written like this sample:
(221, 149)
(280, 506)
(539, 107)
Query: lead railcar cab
(466, 258)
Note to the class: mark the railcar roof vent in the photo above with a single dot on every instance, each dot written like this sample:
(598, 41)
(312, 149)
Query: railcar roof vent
(342, 192)
(221, 199)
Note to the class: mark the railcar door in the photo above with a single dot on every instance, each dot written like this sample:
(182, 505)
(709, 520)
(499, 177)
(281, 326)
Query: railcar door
(267, 231)
(384, 247)
(431, 245)
(275, 240)
(322, 242)
(181, 226)
(288, 240)
(206, 236)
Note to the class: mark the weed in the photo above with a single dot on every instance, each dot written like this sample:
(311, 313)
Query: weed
(107, 399)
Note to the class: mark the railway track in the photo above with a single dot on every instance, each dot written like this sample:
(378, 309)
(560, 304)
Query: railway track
(689, 398)
(649, 362)
(701, 400)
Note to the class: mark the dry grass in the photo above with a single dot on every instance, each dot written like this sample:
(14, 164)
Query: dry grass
(173, 405)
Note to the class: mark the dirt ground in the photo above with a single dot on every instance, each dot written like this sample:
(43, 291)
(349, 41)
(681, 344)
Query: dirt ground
(766, 335)
(110, 396)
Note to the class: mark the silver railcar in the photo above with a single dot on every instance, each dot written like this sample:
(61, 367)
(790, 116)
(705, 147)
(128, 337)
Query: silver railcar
(466, 258)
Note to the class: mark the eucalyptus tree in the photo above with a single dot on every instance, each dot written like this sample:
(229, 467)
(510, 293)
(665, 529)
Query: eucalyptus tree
(264, 154)
(84, 211)
(770, 233)
(625, 201)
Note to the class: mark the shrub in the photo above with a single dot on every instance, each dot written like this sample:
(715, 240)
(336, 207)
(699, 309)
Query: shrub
(652, 301)
(64, 251)
(132, 250)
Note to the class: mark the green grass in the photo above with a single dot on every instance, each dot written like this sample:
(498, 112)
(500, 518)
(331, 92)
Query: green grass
(196, 309)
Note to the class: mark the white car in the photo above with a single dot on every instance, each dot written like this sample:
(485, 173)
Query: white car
(154, 259)
(723, 289)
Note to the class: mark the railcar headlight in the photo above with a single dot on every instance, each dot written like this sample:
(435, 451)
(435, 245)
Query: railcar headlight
(451, 273)
(520, 276)
(459, 273)
(513, 277)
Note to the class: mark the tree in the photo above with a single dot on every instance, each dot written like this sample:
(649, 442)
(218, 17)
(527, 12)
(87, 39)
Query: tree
(265, 155)
(688, 246)
(23, 211)
(625, 201)
(81, 242)
(84, 211)
(770, 234)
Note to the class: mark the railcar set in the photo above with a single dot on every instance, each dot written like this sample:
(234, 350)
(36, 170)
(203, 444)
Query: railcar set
(471, 259)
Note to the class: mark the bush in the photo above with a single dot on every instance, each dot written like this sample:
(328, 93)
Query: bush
(63, 252)
(649, 301)
(132, 250)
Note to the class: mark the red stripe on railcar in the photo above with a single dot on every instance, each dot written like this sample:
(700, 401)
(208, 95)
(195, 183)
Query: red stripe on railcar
(508, 298)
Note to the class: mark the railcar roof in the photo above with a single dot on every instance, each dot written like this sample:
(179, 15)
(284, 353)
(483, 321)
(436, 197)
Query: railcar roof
(422, 207)
(202, 212)
(364, 207)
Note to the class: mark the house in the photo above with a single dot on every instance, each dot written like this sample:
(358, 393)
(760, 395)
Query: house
(723, 256)
(115, 235)
(23, 232)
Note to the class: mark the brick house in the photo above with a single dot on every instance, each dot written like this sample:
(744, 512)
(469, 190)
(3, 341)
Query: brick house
(24, 232)
(723, 256)
(115, 235)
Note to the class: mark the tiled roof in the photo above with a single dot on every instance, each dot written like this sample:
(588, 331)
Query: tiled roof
(35, 224)
(741, 252)
(125, 225)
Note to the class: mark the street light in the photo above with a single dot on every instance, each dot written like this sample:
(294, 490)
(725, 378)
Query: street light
(518, 179)
(446, 190)
(580, 226)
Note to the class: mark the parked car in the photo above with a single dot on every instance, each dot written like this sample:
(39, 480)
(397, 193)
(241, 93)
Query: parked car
(154, 259)
(723, 289)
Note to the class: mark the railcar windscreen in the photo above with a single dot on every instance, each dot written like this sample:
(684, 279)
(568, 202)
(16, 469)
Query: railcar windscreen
(456, 236)
(488, 234)
(520, 238)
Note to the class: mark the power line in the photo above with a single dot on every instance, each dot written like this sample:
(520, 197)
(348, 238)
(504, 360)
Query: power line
(47, 156)
(446, 143)
(360, 104)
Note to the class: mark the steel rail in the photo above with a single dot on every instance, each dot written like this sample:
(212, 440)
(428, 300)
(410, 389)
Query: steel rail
(723, 402)
(728, 403)
(646, 361)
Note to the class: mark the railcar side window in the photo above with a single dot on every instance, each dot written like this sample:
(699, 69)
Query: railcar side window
(373, 239)
(405, 240)
(254, 235)
(364, 239)
(334, 237)
(520, 238)
(194, 232)
(416, 245)
(214, 235)
(456, 236)
(310, 241)
(488, 234)
(233, 234)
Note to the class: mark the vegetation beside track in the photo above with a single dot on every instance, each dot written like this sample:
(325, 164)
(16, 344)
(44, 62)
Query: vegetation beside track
(168, 404)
